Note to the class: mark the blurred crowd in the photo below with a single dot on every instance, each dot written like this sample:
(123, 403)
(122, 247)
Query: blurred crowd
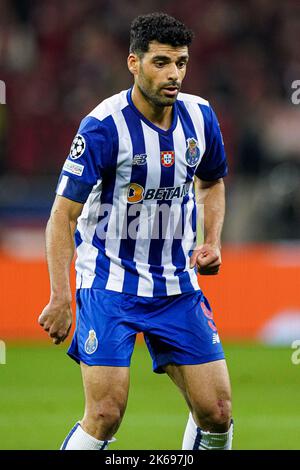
(60, 58)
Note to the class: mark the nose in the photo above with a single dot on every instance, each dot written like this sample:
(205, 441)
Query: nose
(173, 73)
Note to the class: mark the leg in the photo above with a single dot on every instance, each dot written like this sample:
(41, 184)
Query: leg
(206, 388)
(183, 341)
(106, 393)
(103, 344)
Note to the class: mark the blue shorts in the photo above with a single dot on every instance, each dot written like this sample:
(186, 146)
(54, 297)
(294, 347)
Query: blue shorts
(178, 329)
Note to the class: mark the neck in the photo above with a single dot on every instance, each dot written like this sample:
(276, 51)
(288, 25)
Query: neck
(161, 116)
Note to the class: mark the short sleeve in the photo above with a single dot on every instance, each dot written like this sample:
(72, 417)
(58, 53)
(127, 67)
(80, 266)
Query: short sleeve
(86, 162)
(214, 163)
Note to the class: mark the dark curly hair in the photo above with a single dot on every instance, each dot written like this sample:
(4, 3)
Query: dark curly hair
(158, 27)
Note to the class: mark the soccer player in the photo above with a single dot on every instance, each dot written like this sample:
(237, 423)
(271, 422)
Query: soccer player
(127, 195)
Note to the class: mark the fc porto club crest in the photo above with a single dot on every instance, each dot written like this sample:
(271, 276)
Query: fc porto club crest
(192, 154)
(167, 158)
(91, 343)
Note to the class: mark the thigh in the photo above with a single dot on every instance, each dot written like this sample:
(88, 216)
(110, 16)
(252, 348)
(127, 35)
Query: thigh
(203, 385)
(104, 384)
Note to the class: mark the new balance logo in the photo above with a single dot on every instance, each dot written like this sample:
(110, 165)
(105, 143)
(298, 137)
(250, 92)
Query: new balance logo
(139, 159)
(215, 338)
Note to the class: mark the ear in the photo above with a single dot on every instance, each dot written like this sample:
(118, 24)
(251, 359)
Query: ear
(133, 63)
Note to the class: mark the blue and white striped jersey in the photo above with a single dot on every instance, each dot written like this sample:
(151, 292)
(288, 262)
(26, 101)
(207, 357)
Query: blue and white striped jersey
(137, 229)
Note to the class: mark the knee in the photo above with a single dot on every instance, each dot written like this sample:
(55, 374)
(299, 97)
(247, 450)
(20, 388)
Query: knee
(108, 410)
(215, 417)
(107, 413)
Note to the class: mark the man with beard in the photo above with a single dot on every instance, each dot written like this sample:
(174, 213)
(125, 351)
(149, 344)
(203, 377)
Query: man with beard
(137, 159)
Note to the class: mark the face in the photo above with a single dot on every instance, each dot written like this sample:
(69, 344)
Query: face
(159, 72)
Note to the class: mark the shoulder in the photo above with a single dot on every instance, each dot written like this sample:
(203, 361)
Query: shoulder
(110, 107)
(101, 120)
(197, 106)
(187, 98)
(199, 109)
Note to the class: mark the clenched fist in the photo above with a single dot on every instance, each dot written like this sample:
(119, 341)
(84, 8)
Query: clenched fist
(56, 320)
(207, 257)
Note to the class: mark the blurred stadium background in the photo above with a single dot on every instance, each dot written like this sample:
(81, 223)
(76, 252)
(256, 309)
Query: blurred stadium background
(59, 59)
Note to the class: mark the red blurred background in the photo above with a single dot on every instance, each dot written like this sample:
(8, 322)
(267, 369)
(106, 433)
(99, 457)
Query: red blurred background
(59, 59)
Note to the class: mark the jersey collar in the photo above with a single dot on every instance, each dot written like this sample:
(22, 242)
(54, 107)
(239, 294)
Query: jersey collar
(149, 123)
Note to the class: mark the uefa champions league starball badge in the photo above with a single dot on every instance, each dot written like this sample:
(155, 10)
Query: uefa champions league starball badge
(91, 343)
(192, 153)
(78, 147)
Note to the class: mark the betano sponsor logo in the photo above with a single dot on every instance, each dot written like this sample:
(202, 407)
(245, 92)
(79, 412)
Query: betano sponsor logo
(136, 193)
(145, 219)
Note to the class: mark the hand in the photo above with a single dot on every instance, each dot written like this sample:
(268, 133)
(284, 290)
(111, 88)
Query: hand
(56, 319)
(208, 259)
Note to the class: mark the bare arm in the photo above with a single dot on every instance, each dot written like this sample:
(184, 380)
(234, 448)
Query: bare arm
(56, 317)
(212, 195)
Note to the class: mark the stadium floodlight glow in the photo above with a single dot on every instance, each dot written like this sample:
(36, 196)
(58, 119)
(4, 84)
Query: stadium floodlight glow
(2, 92)
(2, 353)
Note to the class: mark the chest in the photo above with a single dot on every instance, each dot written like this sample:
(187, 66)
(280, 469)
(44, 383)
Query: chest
(159, 160)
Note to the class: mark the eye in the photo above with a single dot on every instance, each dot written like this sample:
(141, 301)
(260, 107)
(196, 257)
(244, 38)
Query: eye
(159, 64)
(181, 65)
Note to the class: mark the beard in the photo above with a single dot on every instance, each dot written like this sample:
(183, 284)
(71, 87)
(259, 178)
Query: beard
(154, 95)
